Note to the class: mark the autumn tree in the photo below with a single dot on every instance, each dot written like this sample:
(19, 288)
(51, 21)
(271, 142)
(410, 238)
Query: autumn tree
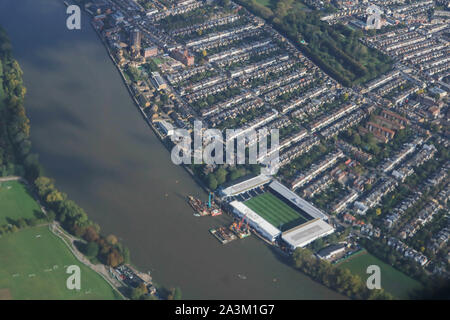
(114, 258)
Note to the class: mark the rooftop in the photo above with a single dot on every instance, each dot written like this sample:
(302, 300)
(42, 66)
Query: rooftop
(304, 205)
(245, 185)
(302, 235)
(255, 218)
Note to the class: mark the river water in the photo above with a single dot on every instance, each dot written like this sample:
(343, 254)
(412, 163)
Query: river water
(93, 141)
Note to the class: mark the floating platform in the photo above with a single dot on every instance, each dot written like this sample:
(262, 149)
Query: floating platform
(202, 209)
(199, 207)
(223, 234)
(241, 230)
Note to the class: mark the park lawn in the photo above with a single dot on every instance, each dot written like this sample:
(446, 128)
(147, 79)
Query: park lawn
(37, 251)
(393, 281)
(274, 210)
(16, 202)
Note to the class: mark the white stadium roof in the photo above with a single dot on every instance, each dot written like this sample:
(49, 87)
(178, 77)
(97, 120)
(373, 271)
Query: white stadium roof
(296, 200)
(255, 219)
(306, 233)
(245, 185)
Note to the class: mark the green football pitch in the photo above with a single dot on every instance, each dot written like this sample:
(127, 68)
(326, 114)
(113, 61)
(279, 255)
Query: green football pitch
(33, 266)
(275, 211)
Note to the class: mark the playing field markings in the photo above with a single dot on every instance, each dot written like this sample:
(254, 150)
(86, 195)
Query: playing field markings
(279, 212)
(284, 210)
(274, 210)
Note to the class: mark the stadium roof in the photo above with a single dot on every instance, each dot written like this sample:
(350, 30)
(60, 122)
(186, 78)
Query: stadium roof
(245, 185)
(252, 216)
(308, 232)
(296, 200)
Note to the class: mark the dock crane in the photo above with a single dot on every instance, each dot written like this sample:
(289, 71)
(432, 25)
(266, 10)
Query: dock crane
(209, 200)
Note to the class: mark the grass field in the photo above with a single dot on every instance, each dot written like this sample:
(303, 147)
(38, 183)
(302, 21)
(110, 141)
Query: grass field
(16, 202)
(275, 211)
(393, 281)
(33, 266)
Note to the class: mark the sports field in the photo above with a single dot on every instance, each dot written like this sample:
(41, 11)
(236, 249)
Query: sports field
(393, 281)
(33, 266)
(16, 202)
(275, 211)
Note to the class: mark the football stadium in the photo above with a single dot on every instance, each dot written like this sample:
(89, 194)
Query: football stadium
(276, 212)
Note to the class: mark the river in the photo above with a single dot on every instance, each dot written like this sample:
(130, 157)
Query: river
(93, 141)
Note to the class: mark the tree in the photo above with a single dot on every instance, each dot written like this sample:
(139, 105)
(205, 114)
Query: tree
(221, 175)
(114, 258)
(112, 239)
(175, 294)
(256, 169)
(356, 139)
(91, 234)
(44, 185)
(91, 249)
(139, 291)
(32, 222)
(212, 182)
(51, 215)
(21, 223)
(54, 196)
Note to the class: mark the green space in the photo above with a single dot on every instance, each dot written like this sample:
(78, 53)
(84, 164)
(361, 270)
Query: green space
(392, 280)
(265, 3)
(16, 202)
(275, 211)
(34, 265)
(325, 199)
(336, 49)
(368, 143)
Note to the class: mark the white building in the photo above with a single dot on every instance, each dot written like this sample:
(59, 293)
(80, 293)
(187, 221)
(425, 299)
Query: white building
(299, 202)
(166, 127)
(246, 185)
(255, 221)
(306, 233)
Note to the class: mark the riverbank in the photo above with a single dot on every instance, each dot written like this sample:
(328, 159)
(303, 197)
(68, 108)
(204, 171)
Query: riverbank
(161, 138)
(100, 269)
(103, 156)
